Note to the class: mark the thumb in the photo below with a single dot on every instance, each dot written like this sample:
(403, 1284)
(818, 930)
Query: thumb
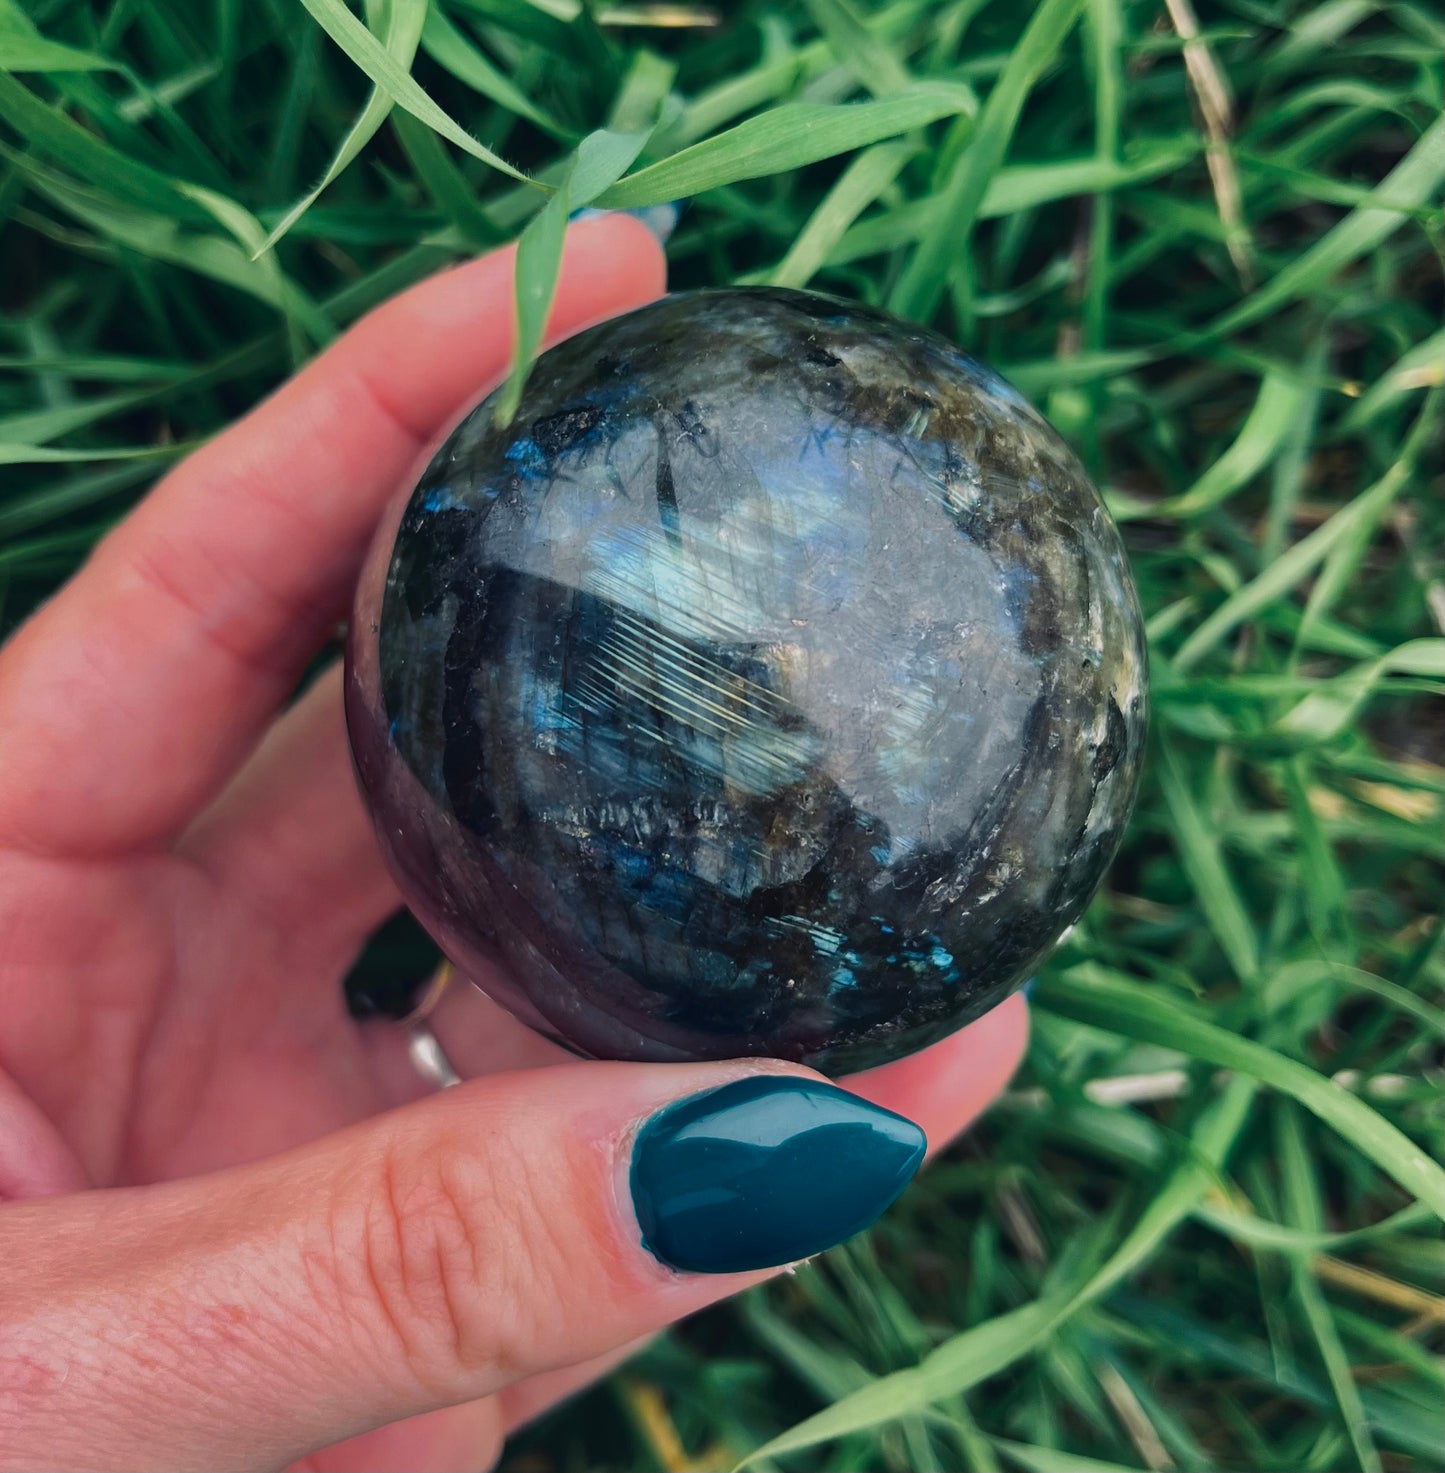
(429, 1256)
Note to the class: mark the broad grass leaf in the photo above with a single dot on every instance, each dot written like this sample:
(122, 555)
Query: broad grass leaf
(785, 138)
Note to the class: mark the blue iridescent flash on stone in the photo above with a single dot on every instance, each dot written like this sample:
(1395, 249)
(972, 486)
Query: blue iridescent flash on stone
(774, 683)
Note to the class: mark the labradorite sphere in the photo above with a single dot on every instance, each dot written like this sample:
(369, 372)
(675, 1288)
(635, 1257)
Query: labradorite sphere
(773, 683)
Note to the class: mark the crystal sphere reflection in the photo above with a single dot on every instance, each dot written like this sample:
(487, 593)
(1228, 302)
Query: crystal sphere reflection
(774, 683)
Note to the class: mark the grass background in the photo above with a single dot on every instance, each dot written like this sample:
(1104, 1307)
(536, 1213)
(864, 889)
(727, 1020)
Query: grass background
(1201, 1231)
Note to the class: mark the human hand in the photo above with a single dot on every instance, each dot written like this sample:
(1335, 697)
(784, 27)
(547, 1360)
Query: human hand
(235, 1226)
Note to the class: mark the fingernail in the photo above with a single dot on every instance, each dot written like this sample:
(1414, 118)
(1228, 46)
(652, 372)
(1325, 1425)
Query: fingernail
(661, 220)
(765, 1171)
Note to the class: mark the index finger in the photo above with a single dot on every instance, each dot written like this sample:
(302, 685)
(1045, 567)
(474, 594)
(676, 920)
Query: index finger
(132, 696)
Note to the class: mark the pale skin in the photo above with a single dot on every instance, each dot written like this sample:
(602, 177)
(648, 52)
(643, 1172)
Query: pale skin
(237, 1228)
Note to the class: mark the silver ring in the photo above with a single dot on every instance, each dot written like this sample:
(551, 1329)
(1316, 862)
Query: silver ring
(429, 1058)
(426, 1003)
(423, 1047)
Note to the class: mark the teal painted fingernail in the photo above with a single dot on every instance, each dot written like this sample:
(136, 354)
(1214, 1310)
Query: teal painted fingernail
(765, 1171)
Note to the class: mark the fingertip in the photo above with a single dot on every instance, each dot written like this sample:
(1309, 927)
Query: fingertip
(610, 262)
(438, 347)
(947, 1086)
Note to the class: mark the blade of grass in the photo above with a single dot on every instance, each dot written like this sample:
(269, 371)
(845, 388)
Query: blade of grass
(1328, 712)
(1013, 190)
(1187, 1339)
(787, 137)
(784, 68)
(922, 283)
(13, 454)
(1292, 463)
(1091, 994)
(1421, 367)
(98, 367)
(396, 81)
(601, 157)
(163, 238)
(1104, 32)
(1300, 560)
(445, 182)
(301, 312)
(1260, 440)
(73, 147)
(1413, 181)
(993, 1345)
(1302, 1203)
(1035, 1459)
(1259, 1232)
(539, 24)
(36, 426)
(401, 23)
(1311, 972)
(1203, 861)
(1323, 893)
(445, 43)
(24, 49)
(871, 59)
(1336, 574)
(983, 1351)
(869, 174)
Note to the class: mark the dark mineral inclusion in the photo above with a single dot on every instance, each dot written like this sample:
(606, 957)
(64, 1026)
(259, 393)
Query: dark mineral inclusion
(773, 684)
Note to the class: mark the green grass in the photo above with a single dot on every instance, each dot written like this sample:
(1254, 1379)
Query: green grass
(1201, 1232)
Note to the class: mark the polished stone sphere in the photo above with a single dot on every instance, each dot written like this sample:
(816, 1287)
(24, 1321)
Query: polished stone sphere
(773, 683)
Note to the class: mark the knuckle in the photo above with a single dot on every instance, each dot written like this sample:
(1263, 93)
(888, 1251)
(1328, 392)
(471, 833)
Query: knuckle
(471, 1269)
(464, 1278)
(415, 1250)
